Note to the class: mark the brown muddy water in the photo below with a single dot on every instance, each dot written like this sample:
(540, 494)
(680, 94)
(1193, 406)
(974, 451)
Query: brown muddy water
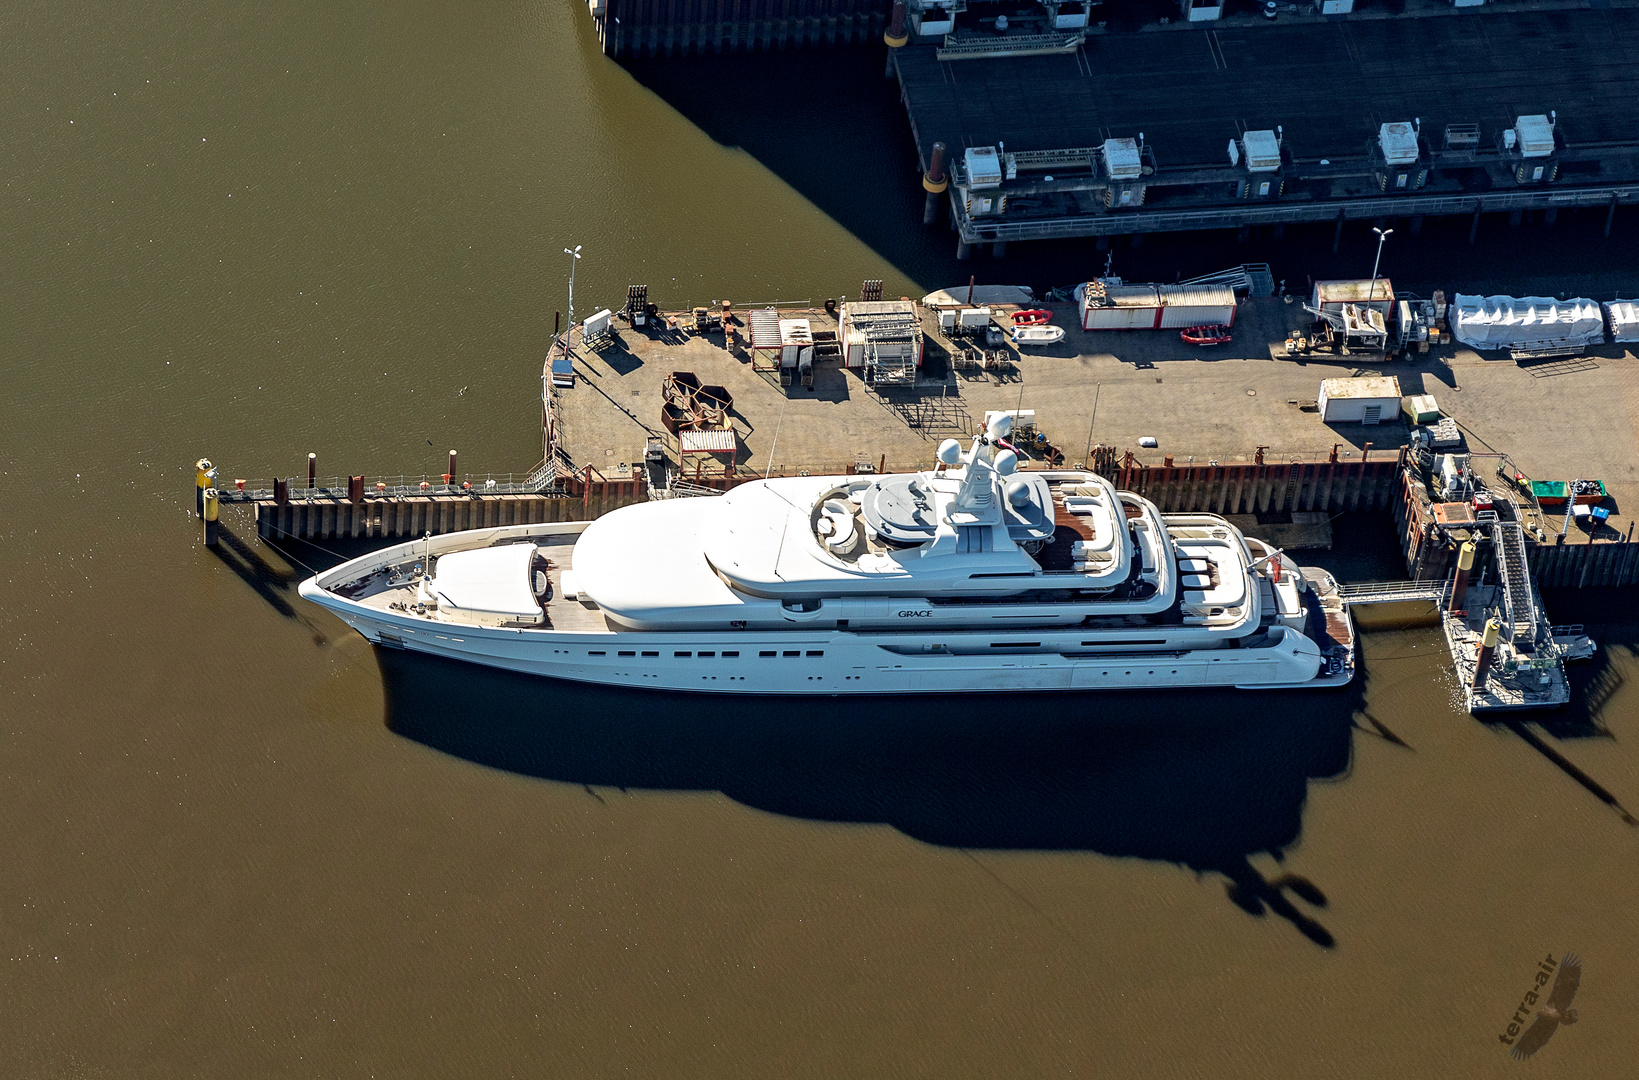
(236, 842)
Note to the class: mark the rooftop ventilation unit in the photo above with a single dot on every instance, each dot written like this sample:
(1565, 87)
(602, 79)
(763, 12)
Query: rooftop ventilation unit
(984, 167)
(1534, 135)
(1398, 141)
(1122, 159)
(1262, 149)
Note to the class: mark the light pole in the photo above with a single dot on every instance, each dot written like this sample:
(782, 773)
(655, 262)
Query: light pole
(569, 331)
(1382, 235)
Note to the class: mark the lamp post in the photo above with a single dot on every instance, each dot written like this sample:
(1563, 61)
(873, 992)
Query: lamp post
(569, 331)
(1371, 291)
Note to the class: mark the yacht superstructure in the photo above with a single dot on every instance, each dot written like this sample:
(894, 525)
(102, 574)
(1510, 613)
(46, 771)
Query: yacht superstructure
(974, 576)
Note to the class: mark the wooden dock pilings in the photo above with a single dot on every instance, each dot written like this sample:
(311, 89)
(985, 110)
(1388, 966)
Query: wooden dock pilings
(1210, 487)
(325, 518)
(1578, 566)
(1259, 487)
(653, 27)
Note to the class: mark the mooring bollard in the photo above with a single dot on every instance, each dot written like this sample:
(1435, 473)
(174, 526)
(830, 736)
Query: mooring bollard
(312, 470)
(203, 475)
(452, 467)
(1488, 648)
(934, 183)
(211, 506)
(1459, 587)
(895, 35)
(355, 489)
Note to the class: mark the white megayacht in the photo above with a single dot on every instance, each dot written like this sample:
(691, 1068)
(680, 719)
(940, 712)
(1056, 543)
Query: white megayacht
(975, 576)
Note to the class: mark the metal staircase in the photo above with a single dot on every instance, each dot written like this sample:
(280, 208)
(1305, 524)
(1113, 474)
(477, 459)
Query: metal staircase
(1516, 580)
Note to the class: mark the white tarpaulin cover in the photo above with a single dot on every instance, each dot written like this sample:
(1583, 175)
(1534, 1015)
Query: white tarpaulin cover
(1623, 316)
(1526, 322)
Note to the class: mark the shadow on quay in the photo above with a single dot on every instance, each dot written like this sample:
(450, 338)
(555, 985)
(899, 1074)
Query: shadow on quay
(1202, 779)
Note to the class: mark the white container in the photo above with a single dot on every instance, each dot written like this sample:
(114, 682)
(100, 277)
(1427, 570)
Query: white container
(1195, 305)
(1333, 295)
(1368, 400)
(795, 337)
(1121, 307)
(975, 318)
(597, 325)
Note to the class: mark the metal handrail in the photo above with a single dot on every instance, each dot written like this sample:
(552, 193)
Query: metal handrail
(1118, 222)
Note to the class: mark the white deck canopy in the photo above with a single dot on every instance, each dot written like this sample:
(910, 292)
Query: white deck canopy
(487, 586)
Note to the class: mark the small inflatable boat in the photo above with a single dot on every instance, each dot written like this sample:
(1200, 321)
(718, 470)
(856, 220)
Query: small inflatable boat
(1206, 335)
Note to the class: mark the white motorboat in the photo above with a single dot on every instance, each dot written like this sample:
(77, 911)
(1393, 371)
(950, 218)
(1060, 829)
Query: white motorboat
(974, 576)
(1038, 335)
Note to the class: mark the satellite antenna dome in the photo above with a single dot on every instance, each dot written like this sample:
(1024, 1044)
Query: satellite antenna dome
(999, 426)
(1018, 493)
(1006, 463)
(950, 451)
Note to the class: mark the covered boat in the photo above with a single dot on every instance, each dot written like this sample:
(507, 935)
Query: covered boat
(1527, 324)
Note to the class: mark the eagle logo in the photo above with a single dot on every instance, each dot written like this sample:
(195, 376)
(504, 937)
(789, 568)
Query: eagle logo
(1556, 1011)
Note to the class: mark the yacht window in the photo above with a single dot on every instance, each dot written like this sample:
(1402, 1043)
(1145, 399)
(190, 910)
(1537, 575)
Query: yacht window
(1014, 644)
(705, 654)
(793, 652)
(627, 652)
(726, 655)
(768, 653)
(816, 652)
(680, 654)
(597, 652)
(651, 654)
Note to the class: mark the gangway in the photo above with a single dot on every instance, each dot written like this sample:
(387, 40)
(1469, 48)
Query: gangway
(1515, 573)
(1392, 592)
(1253, 279)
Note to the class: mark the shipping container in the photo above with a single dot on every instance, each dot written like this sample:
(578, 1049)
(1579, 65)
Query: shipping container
(1196, 305)
(1368, 400)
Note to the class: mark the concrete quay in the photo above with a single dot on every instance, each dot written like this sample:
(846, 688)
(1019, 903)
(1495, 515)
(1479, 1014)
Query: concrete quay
(1224, 404)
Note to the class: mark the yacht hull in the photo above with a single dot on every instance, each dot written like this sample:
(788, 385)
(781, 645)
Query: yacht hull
(834, 663)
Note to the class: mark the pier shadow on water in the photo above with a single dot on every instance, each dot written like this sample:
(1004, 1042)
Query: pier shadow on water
(1198, 778)
(828, 124)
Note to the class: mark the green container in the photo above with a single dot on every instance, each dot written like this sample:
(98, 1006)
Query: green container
(1548, 492)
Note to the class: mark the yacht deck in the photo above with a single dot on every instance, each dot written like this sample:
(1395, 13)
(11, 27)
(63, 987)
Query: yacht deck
(393, 588)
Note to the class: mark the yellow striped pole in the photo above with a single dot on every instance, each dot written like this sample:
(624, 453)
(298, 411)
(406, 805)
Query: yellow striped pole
(203, 474)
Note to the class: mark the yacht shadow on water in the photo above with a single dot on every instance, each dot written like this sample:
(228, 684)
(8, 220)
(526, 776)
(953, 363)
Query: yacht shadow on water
(1200, 778)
